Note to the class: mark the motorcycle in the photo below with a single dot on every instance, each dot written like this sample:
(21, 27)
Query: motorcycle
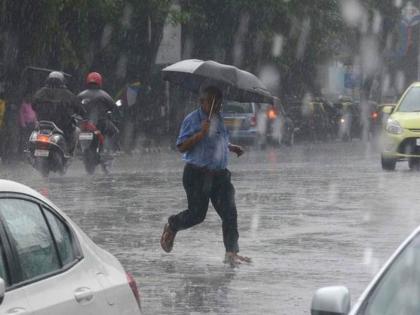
(47, 147)
(91, 143)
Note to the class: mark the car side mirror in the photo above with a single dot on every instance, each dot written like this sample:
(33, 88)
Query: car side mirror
(2, 290)
(331, 301)
(388, 109)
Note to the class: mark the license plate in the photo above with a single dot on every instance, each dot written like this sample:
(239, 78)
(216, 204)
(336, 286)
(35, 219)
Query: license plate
(86, 136)
(233, 123)
(418, 141)
(229, 122)
(41, 153)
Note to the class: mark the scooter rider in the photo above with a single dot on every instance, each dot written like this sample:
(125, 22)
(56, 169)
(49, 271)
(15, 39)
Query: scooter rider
(55, 102)
(97, 104)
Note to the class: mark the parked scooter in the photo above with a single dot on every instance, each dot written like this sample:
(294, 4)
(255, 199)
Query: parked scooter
(47, 149)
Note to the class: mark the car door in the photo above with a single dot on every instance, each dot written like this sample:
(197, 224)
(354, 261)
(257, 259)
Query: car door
(14, 300)
(53, 273)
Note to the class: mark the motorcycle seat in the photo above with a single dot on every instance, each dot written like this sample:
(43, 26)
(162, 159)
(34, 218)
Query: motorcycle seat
(44, 124)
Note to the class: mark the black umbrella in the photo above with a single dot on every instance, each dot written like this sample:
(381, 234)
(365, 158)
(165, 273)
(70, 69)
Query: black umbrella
(236, 84)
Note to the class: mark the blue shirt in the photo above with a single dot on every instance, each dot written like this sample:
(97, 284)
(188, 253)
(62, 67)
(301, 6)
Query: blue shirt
(212, 150)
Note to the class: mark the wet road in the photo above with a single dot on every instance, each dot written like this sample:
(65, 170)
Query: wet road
(309, 216)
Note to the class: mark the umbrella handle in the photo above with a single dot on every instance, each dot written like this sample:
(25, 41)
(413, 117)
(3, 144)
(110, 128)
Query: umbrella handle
(212, 106)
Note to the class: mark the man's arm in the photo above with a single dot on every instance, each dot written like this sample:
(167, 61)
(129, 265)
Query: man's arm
(190, 142)
(108, 101)
(236, 149)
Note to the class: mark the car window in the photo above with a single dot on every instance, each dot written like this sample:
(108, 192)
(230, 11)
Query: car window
(411, 102)
(62, 238)
(30, 236)
(239, 108)
(398, 290)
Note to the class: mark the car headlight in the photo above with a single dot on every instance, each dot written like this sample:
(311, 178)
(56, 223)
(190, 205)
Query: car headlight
(393, 126)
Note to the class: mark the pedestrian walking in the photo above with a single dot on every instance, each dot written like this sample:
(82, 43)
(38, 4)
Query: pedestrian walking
(204, 141)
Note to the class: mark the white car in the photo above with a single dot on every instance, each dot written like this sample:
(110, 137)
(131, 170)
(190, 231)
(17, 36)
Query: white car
(394, 290)
(49, 266)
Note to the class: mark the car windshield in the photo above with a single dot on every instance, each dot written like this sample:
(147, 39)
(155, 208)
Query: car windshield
(397, 292)
(237, 108)
(411, 101)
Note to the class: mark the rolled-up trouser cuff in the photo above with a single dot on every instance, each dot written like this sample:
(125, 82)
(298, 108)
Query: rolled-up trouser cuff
(233, 249)
(171, 222)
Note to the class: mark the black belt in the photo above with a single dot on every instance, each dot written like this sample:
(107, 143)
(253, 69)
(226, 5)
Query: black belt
(206, 170)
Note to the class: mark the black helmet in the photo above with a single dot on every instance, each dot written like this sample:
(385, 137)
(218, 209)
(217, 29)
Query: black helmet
(55, 79)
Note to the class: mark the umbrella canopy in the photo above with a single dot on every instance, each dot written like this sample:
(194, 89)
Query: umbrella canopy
(237, 84)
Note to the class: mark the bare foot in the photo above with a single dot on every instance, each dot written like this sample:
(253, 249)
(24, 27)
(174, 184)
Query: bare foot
(234, 259)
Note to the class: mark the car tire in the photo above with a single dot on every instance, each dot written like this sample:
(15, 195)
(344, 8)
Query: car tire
(388, 164)
(414, 164)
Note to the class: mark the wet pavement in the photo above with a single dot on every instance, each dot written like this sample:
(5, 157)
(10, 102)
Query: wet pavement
(309, 216)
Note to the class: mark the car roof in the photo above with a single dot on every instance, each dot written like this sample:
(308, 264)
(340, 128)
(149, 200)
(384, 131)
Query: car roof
(8, 186)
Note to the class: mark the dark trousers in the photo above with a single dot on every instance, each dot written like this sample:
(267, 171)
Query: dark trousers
(201, 186)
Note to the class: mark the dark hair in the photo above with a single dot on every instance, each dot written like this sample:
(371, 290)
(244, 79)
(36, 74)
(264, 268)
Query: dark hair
(213, 91)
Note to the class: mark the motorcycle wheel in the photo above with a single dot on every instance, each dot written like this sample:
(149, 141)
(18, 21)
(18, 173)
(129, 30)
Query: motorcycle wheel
(42, 165)
(90, 160)
(59, 163)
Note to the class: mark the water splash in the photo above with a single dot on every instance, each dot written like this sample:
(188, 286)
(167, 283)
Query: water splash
(277, 47)
(122, 66)
(303, 38)
(239, 38)
(400, 81)
(106, 36)
(126, 17)
(352, 12)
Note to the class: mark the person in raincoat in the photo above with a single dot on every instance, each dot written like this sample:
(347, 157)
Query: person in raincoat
(55, 102)
(99, 106)
(204, 140)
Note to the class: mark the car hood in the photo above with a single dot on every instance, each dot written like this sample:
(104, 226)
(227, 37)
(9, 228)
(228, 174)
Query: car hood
(408, 120)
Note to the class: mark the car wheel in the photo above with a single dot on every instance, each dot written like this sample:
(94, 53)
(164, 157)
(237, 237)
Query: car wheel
(388, 164)
(414, 164)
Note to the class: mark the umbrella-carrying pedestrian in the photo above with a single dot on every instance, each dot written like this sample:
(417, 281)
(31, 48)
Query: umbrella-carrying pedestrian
(204, 141)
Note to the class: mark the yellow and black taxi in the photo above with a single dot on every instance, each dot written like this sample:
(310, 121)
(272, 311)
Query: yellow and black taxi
(401, 136)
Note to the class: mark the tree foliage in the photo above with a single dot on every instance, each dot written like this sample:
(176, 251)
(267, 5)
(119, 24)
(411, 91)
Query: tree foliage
(120, 38)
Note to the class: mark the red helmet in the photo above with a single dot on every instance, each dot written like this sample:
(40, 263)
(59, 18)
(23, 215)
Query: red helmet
(94, 78)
